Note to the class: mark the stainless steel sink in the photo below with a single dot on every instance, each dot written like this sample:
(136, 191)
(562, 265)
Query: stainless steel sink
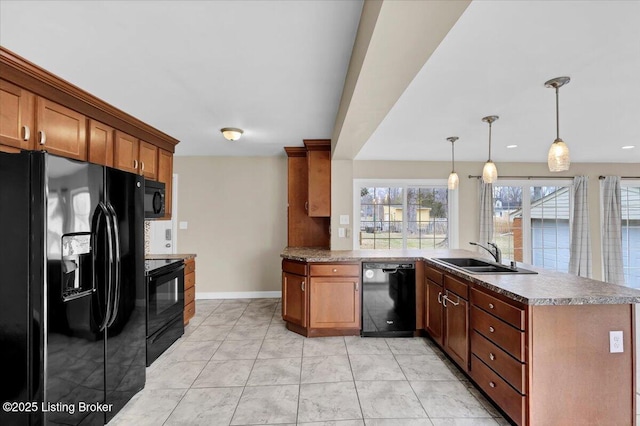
(479, 266)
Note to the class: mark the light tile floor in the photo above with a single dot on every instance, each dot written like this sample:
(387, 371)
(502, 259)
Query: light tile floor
(237, 364)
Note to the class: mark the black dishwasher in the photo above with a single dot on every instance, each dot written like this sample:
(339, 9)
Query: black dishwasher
(388, 299)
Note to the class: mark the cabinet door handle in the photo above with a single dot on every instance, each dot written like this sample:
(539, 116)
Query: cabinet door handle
(302, 285)
(452, 302)
(491, 306)
(444, 300)
(492, 384)
(306, 205)
(27, 133)
(440, 297)
(142, 166)
(491, 329)
(356, 285)
(43, 137)
(335, 270)
(492, 357)
(135, 164)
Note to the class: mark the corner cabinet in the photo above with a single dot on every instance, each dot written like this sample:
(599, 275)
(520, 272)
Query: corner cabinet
(309, 194)
(321, 299)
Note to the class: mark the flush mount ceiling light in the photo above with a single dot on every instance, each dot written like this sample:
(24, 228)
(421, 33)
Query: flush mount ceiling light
(231, 133)
(452, 183)
(489, 172)
(558, 158)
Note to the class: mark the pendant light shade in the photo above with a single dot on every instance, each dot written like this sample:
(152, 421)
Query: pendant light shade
(490, 171)
(558, 158)
(453, 181)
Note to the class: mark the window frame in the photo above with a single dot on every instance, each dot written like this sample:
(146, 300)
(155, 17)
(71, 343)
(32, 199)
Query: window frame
(526, 208)
(452, 205)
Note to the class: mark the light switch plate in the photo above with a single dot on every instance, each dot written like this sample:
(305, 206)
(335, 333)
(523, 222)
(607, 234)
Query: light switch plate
(616, 343)
(344, 219)
(183, 225)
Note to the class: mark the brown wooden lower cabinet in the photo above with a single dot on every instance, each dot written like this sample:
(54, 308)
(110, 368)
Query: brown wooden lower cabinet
(189, 289)
(542, 365)
(321, 299)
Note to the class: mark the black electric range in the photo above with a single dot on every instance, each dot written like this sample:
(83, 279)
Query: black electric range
(165, 304)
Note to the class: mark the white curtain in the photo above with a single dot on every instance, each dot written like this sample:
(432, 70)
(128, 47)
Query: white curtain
(580, 255)
(612, 230)
(486, 214)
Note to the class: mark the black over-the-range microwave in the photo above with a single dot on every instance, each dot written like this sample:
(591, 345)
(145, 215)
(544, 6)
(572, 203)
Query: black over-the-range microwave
(153, 199)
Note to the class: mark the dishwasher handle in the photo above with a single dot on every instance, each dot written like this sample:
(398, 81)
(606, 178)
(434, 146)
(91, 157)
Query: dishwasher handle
(389, 271)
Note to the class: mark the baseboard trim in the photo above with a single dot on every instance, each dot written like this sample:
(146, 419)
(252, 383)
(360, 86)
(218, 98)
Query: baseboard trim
(239, 295)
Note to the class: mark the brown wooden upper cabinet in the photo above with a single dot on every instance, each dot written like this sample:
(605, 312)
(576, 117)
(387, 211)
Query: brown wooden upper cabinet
(100, 143)
(165, 175)
(61, 131)
(126, 152)
(319, 166)
(148, 156)
(16, 116)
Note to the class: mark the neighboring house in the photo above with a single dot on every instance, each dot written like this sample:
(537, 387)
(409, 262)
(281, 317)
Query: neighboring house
(550, 231)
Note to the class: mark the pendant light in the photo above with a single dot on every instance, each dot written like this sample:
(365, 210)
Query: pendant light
(489, 172)
(558, 158)
(452, 183)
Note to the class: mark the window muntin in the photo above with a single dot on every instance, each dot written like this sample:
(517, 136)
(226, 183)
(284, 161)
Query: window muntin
(385, 225)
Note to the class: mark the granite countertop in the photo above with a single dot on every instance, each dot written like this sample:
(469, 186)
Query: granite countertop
(182, 256)
(545, 288)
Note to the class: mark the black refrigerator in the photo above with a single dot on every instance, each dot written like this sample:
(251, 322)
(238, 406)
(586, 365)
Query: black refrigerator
(72, 295)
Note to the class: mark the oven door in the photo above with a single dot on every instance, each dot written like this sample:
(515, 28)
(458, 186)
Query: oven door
(165, 298)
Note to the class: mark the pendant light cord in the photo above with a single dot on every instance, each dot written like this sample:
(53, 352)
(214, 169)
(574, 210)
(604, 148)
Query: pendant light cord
(557, 113)
(453, 158)
(489, 141)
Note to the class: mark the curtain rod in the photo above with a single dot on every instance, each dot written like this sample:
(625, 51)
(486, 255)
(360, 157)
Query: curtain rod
(621, 177)
(526, 177)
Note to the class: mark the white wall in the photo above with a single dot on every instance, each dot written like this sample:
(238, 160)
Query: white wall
(236, 209)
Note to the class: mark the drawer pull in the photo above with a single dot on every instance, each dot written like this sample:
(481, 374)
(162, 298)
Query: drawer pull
(491, 329)
(492, 384)
(335, 270)
(492, 357)
(491, 306)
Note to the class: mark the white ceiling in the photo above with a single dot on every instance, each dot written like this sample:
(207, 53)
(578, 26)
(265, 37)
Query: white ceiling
(277, 69)
(273, 68)
(495, 61)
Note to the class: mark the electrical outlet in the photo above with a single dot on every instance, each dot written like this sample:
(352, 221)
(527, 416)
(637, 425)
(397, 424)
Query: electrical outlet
(341, 233)
(616, 344)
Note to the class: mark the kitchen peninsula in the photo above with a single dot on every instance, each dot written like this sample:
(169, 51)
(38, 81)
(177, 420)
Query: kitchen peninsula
(538, 345)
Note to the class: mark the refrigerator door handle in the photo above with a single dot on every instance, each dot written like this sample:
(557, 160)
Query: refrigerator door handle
(118, 266)
(102, 211)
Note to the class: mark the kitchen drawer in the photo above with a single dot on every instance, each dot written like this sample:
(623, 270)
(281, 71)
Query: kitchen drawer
(337, 270)
(509, 368)
(456, 286)
(189, 295)
(433, 274)
(189, 266)
(499, 332)
(189, 280)
(506, 397)
(189, 311)
(292, 267)
(497, 307)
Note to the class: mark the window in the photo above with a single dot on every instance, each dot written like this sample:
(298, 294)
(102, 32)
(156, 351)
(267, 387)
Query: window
(531, 223)
(397, 215)
(630, 203)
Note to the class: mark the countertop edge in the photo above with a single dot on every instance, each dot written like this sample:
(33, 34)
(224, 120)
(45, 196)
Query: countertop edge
(317, 256)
